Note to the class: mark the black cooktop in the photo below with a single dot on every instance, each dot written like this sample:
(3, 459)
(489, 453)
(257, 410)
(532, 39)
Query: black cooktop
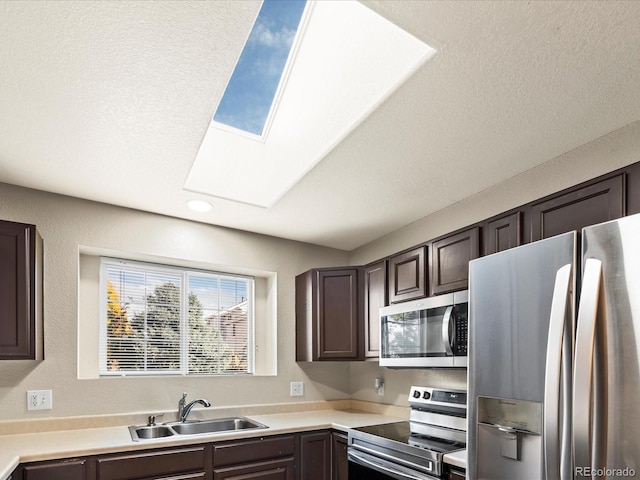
(400, 432)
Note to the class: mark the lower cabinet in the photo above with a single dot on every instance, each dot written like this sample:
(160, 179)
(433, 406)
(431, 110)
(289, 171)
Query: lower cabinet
(340, 461)
(315, 456)
(282, 469)
(265, 458)
(182, 464)
(73, 469)
(318, 455)
(456, 474)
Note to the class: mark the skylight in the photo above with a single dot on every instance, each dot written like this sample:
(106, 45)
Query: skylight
(348, 60)
(251, 91)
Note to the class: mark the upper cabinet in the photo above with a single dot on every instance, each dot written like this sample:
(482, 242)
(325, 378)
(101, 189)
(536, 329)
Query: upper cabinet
(408, 275)
(329, 315)
(502, 233)
(580, 207)
(20, 292)
(337, 308)
(450, 258)
(375, 296)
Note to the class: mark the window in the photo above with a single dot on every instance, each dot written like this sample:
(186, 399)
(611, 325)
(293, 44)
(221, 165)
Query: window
(164, 320)
(249, 97)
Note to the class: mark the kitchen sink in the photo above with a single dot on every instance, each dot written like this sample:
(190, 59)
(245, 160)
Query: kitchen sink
(146, 432)
(216, 426)
(195, 427)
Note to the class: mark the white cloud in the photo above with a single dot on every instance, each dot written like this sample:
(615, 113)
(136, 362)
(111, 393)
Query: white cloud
(265, 36)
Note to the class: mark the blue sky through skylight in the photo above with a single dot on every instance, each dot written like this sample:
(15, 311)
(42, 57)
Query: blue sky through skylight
(247, 101)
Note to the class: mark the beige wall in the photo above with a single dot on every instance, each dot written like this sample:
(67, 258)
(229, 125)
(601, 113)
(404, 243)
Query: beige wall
(67, 224)
(605, 154)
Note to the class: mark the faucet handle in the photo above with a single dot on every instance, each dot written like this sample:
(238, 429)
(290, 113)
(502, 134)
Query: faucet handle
(152, 419)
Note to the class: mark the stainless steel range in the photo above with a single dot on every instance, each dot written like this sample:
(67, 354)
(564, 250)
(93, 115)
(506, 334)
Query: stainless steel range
(411, 450)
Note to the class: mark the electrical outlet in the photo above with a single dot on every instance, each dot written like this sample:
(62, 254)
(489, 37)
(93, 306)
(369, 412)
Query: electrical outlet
(39, 400)
(297, 389)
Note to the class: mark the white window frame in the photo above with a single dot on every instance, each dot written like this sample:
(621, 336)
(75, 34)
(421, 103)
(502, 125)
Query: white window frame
(184, 273)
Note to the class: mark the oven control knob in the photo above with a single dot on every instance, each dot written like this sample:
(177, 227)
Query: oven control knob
(417, 394)
(426, 395)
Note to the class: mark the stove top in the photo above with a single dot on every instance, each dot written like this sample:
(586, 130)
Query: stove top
(400, 433)
(436, 426)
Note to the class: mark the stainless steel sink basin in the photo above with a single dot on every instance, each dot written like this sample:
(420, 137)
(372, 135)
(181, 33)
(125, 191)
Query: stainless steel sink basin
(220, 425)
(216, 426)
(146, 432)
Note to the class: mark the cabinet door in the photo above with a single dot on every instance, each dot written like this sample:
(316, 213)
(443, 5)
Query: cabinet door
(188, 463)
(20, 290)
(456, 474)
(64, 470)
(407, 275)
(254, 450)
(450, 260)
(375, 296)
(595, 203)
(502, 233)
(315, 456)
(281, 469)
(338, 314)
(340, 463)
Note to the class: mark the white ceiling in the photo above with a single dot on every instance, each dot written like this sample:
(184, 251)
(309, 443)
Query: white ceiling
(110, 100)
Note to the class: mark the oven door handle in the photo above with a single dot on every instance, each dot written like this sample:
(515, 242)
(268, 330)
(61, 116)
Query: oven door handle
(360, 459)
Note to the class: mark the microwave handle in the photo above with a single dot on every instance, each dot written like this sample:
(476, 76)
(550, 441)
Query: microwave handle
(446, 323)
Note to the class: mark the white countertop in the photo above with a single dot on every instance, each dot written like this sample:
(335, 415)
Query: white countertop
(31, 447)
(458, 459)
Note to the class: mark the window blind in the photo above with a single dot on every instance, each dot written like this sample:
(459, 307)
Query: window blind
(164, 320)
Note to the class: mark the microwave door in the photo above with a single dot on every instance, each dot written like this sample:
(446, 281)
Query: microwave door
(438, 324)
(404, 335)
(417, 338)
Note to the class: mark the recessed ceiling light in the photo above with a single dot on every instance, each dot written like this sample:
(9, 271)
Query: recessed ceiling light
(199, 206)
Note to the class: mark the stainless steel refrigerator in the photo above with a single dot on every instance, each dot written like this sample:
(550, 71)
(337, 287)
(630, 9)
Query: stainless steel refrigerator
(554, 338)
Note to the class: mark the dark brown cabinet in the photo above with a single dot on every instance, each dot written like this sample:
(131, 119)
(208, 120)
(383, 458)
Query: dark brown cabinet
(269, 458)
(20, 292)
(577, 208)
(183, 464)
(329, 315)
(456, 474)
(450, 258)
(283, 469)
(375, 296)
(315, 456)
(340, 462)
(502, 233)
(407, 275)
(73, 469)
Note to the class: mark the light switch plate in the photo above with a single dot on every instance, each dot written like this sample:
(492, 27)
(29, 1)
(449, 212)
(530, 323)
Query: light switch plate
(39, 400)
(297, 389)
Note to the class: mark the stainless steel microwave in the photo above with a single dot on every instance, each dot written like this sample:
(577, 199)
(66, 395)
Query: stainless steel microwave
(430, 332)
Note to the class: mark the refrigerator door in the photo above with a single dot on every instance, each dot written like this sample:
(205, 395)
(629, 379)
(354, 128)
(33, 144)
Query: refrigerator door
(510, 301)
(607, 371)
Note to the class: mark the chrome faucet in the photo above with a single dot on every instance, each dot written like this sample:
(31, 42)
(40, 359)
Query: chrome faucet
(184, 410)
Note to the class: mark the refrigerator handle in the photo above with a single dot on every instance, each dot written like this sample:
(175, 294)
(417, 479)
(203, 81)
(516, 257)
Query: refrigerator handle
(557, 345)
(584, 364)
(446, 324)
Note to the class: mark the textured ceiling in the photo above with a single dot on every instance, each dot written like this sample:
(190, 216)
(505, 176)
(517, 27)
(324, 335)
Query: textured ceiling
(110, 100)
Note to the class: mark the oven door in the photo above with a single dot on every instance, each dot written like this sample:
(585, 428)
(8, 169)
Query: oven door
(363, 466)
